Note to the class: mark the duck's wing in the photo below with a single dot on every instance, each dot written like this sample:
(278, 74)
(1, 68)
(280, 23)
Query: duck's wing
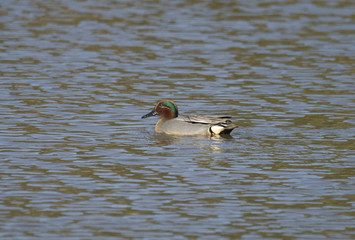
(217, 125)
(206, 119)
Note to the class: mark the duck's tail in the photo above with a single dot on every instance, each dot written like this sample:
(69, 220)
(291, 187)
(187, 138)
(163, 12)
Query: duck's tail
(222, 128)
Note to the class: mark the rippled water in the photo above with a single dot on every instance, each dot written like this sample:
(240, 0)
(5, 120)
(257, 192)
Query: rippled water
(78, 162)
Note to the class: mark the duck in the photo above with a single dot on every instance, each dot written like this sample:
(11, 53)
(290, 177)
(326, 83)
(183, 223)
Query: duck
(172, 123)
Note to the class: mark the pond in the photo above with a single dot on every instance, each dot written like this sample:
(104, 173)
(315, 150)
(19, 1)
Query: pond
(78, 162)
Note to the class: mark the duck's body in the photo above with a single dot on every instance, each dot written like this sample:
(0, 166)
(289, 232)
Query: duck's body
(173, 124)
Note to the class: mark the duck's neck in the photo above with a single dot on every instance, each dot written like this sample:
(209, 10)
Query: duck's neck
(167, 114)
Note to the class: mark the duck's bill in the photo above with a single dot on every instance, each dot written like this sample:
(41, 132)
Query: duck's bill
(152, 113)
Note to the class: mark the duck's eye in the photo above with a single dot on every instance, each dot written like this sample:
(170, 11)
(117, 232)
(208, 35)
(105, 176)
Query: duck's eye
(165, 105)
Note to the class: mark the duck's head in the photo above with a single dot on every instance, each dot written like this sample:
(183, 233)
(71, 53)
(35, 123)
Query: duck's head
(167, 109)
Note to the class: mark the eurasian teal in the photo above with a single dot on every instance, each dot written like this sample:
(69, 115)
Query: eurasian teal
(172, 123)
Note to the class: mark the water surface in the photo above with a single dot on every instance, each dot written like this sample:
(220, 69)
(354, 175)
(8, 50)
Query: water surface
(78, 162)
